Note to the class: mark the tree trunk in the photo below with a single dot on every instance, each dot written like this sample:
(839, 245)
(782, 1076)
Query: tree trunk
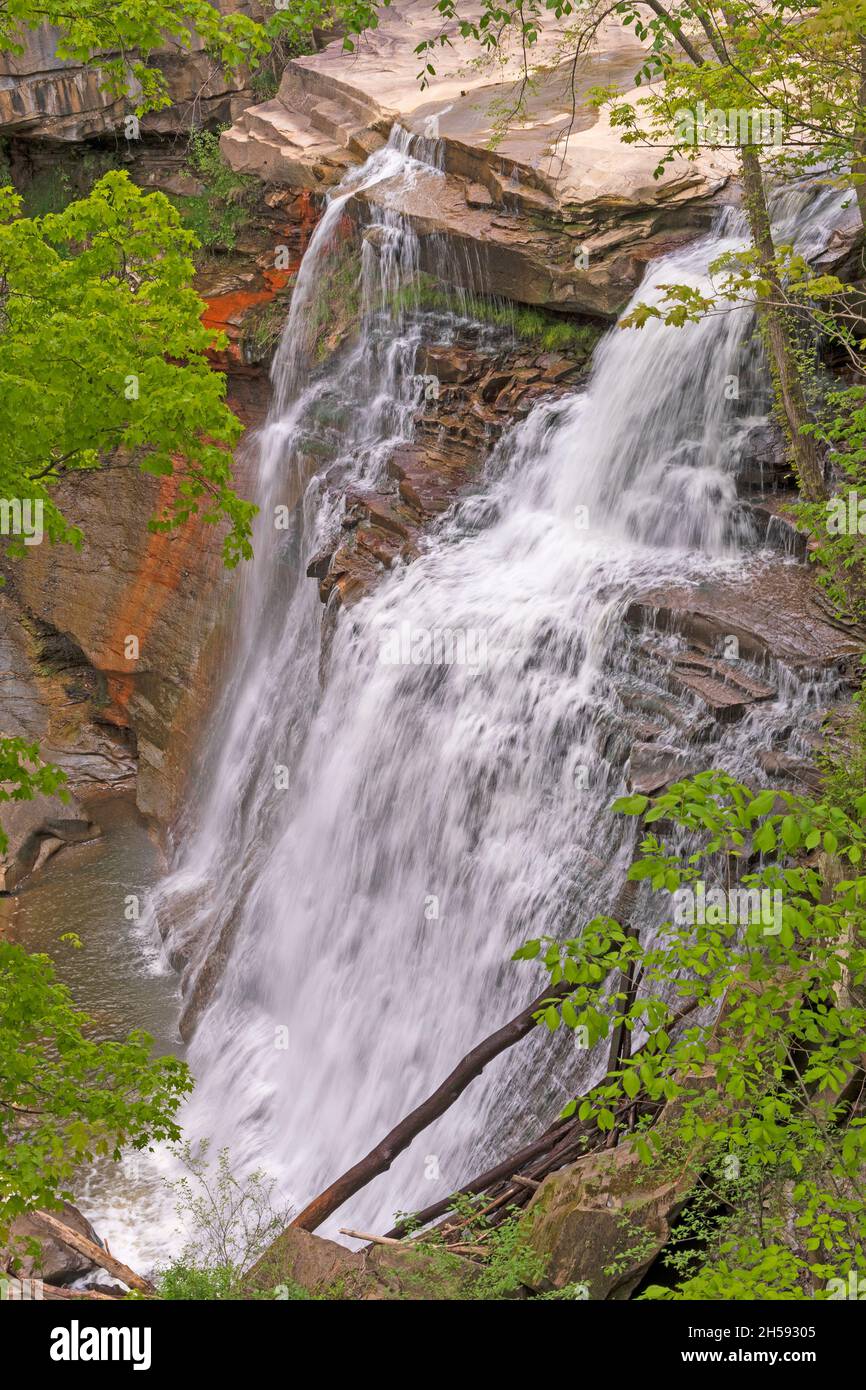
(780, 339)
(858, 165)
(379, 1159)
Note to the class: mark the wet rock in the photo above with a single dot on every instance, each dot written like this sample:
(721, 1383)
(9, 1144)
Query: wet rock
(454, 433)
(782, 766)
(56, 1263)
(652, 767)
(377, 1273)
(447, 364)
(762, 463)
(771, 610)
(776, 528)
(30, 842)
(724, 687)
(477, 196)
(36, 830)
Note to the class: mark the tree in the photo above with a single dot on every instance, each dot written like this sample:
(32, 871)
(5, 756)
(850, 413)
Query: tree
(764, 944)
(124, 41)
(102, 352)
(65, 1097)
(103, 355)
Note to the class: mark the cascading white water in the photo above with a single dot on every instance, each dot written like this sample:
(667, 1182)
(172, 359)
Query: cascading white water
(437, 815)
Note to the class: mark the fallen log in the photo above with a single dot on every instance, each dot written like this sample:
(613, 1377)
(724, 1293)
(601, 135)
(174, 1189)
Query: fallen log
(93, 1252)
(487, 1179)
(379, 1159)
(558, 1145)
(57, 1291)
(371, 1240)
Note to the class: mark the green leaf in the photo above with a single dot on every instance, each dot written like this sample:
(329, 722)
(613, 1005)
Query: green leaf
(630, 805)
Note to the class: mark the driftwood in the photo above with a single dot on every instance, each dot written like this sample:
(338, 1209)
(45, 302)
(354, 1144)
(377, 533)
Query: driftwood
(515, 1179)
(53, 1291)
(562, 1143)
(371, 1240)
(379, 1159)
(91, 1251)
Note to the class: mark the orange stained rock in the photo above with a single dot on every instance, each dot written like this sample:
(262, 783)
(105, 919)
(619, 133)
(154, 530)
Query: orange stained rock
(141, 603)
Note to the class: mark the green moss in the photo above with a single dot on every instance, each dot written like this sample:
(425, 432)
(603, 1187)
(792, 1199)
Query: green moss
(222, 209)
(337, 306)
(537, 327)
(263, 326)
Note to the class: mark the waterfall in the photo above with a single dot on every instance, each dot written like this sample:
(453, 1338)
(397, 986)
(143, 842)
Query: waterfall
(347, 923)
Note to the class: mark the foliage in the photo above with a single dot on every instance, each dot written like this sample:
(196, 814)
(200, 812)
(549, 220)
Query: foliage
(336, 303)
(234, 1223)
(839, 548)
(508, 1260)
(103, 354)
(535, 326)
(842, 759)
(222, 209)
(744, 1270)
(262, 330)
(66, 1098)
(23, 776)
(218, 1284)
(749, 1015)
(121, 40)
(141, 385)
(231, 1222)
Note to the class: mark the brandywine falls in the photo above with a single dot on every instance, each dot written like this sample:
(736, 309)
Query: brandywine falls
(431, 631)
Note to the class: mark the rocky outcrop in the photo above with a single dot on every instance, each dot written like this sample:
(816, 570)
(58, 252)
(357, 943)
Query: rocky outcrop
(65, 615)
(555, 211)
(56, 1263)
(128, 583)
(706, 654)
(601, 1222)
(298, 1260)
(475, 387)
(51, 695)
(46, 97)
(771, 612)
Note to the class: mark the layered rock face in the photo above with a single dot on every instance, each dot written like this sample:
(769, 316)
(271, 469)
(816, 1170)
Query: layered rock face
(481, 386)
(115, 722)
(555, 211)
(136, 608)
(46, 97)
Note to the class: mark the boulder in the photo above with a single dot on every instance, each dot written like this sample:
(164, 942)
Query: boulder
(602, 1221)
(57, 1263)
(377, 1273)
(36, 829)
